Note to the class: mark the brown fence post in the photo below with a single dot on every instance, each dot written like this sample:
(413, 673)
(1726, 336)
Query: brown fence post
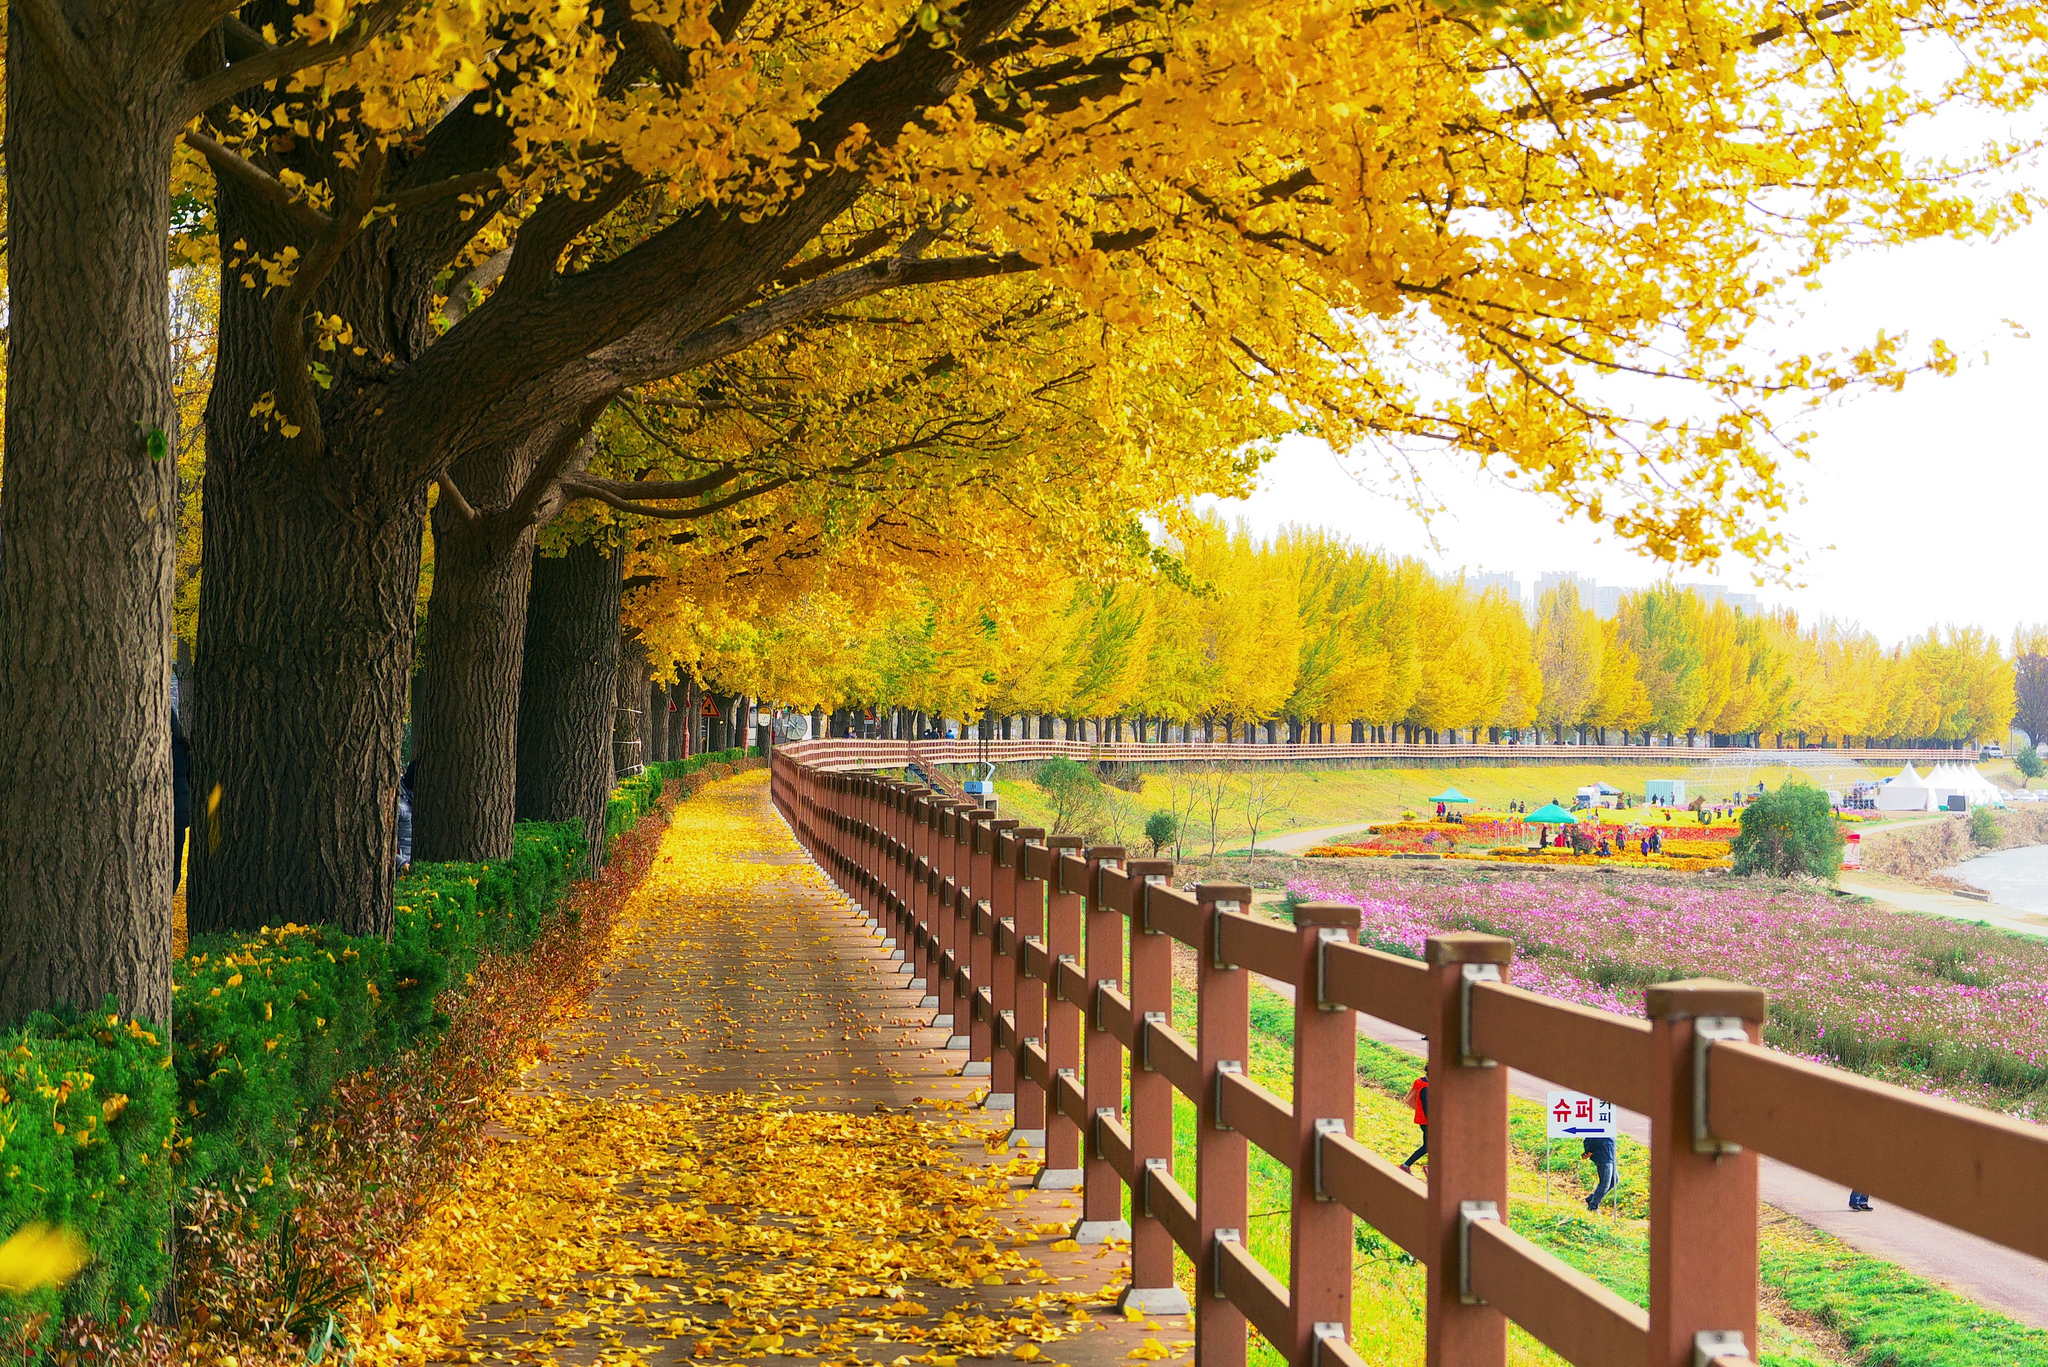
(924, 901)
(1102, 1195)
(981, 944)
(1152, 1289)
(1062, 1171)
(1703, 1193)
(1029, 994)
(1468, 1149)
(1319, 1244)
(1003, 961)
(1222, 1174)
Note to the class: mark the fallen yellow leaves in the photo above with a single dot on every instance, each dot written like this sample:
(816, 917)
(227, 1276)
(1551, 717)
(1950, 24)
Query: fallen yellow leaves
(621, 1211)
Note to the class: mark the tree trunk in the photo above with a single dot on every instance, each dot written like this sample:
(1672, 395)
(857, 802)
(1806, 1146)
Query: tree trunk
(567, 691)
(86, 536)
(466, 728)
(631, 705)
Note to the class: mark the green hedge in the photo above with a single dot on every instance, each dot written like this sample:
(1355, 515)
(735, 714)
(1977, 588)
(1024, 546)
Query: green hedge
(100, 1130)
(635, 797)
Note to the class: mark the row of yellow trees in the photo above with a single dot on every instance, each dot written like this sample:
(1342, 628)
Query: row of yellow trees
(1309, 632)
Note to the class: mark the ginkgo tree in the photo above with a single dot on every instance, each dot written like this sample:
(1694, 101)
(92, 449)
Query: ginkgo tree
(1437, 224)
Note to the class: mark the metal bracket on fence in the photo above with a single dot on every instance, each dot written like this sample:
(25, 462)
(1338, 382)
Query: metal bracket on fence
(1103, 1115)
(1468, 1213)
(1152, 1165)
(1470, 975)
(1058, 995)
(1326, 1331)
(1705, 1031)
(1710, 1344)
(1218, 908)
(1101, 985)
(1222, 1236)
(1152, 1018)
(1224, 1066)
(1145, 904)
(1325, 937)
(1324, 1129)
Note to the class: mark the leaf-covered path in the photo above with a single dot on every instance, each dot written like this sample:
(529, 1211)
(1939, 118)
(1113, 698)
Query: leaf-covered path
(746, 1144)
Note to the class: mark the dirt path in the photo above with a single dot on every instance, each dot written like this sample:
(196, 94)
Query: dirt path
(747, 1145)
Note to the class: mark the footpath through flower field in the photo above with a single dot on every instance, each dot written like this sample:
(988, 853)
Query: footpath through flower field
(747, 1145)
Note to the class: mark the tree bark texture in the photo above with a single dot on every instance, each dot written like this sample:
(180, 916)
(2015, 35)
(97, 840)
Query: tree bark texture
(86, 528)
(307, 605)
(466, 731)
(631, 706)
(568, 687)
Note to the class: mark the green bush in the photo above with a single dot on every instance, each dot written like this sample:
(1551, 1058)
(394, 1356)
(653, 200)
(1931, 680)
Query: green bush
(2029, 762)
(634, 797)
(1789, 831)
(1161, 828)
(102, 1131)
(1984, 827)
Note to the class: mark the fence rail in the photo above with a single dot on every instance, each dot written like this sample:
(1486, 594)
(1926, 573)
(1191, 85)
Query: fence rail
(895, 754)
(1052, 967)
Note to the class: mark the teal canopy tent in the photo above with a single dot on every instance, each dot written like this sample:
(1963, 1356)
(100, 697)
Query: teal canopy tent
(1450, 795)
(1550, 814)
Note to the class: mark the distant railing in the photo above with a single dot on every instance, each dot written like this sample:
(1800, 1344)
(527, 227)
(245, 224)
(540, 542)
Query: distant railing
(1052, 967)
(894, 754)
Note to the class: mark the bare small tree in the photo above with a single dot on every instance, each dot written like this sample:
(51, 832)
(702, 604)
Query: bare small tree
(1265, 794)
(1213, 794)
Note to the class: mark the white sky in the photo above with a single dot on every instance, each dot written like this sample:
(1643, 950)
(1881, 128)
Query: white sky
(1922, 507)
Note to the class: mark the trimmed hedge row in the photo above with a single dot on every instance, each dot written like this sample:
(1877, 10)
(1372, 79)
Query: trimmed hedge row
(101, 1131)
(636, 796)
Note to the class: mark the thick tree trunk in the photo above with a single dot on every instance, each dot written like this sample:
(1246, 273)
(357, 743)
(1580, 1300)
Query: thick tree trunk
(466, 731)
(301, 675)
(86, 536)
(627, 743)
(568, 690)
(306, 620)
(658, 717)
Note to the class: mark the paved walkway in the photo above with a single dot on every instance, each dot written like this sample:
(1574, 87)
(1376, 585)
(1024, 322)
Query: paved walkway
(746, 1144)
(1908, 897)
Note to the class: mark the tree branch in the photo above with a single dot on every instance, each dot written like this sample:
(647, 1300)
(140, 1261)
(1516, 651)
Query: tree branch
(58, 46)
(526, 508)
(421, 195)
(233, 166)
(750, 325)
(286, 58)
(553, 226)
(486, 272)
(456, 500)
(601, 490)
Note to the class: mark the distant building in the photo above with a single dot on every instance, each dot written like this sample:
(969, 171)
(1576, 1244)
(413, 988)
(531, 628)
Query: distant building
(1607, 600)
(1714, 593)
(1551, 579)
(1480, 583)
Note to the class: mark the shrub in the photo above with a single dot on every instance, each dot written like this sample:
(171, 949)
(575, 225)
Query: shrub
(1792, 830)
(2029, 762)
(102, 1132)
(1073, 790)
(1161, 828)
(1983, 826)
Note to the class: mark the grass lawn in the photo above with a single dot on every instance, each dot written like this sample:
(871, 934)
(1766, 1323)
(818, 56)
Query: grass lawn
(1825, 1305)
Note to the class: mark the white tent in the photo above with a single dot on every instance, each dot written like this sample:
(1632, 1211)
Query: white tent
(1905, 791)
(1946, 780)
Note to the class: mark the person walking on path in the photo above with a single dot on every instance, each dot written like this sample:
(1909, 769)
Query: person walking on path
(1601, 1152)
(1418, 1097)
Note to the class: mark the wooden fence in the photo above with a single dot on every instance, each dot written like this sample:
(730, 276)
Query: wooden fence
(894, 754)
(1053, 968)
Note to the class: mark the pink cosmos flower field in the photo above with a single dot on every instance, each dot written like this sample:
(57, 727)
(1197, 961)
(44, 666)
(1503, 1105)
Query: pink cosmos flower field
(1941, 1005)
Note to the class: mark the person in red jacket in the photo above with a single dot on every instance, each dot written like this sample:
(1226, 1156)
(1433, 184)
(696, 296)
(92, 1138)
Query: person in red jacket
(1418, 1097)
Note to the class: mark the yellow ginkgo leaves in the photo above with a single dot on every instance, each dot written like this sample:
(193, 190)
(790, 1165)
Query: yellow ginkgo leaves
(40, 1255)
